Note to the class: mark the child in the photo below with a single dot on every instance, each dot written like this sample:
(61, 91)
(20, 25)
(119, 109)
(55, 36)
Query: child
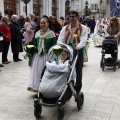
(100, 30)
(63, 56)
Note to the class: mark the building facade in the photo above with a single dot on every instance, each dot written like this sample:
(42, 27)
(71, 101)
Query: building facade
(38, 7)
(54, 7)
(101, 7)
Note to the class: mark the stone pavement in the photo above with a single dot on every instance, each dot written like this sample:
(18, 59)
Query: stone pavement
(101, 90)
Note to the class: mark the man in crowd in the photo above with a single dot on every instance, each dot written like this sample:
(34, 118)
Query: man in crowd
(67, 35)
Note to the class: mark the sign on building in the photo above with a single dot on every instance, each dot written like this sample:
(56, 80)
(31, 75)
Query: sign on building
(115, 8)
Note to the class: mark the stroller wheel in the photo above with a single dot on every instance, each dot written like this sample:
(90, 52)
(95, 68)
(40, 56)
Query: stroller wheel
(114, 68)
(118, 65)
(80, 100)
(101, 63)
(103, 68)
(38, 111)
(60, 113)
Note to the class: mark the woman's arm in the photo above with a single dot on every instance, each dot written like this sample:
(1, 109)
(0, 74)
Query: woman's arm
(117, 35)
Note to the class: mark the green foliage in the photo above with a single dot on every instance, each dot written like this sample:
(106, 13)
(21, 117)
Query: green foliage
(87, 12)
(26, 1)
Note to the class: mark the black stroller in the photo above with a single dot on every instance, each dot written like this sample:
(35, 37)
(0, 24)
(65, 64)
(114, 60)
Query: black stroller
(67, 91)
(109, 46)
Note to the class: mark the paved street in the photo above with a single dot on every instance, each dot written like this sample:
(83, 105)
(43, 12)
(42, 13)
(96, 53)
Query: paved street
(101, 90)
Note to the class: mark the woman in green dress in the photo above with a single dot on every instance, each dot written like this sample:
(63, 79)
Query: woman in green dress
(44, 40)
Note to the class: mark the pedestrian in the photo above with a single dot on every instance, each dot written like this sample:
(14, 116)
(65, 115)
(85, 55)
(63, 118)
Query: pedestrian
(33, 23)
(1, 46)
(0, 15)
(21, 21)
(16, 38)
(29, 30)
(67, 21)
(5, 29)
(61, 21)
(44, 39)
(113, 29)
(56, 26)
(66, 36)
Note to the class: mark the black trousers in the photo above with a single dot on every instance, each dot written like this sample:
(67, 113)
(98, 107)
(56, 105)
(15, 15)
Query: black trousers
(5, 50)
(15, 56)
(79, 66)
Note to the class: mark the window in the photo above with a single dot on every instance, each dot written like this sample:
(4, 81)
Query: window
(94, 6)
(77, 7)
(8, 5)
(36, 1)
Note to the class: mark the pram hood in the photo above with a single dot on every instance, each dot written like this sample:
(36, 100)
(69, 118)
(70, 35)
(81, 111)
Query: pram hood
(110, 40)
(70, 49)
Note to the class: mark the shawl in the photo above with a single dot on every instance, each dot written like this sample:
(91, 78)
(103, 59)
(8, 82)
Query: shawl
(77, 33)
(48, 34)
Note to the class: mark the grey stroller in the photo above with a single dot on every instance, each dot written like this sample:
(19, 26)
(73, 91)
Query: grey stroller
(57, 93)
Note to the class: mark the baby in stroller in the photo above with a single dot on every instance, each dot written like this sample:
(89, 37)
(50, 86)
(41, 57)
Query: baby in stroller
(57, 86)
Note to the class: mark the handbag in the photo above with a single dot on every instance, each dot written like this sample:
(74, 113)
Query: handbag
(1, 38)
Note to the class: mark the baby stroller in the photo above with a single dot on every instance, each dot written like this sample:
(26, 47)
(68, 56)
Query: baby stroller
(62, 92)
(109, 46)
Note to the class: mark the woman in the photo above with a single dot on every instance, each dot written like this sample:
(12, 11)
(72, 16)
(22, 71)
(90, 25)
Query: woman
(44, 39)
(113, 29)
(56, 27)
(29, 32)
(5, 29)
(16, 38)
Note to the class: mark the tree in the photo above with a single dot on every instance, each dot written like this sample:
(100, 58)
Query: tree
(26, 2)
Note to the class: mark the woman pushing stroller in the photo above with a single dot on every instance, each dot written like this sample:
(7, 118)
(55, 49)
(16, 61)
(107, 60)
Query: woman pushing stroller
(113, 30)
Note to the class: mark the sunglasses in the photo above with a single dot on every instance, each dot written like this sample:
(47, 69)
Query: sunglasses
(72, 16)
(111, 20)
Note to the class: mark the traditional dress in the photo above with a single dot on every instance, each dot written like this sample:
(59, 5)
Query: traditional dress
(99, 37)
(43, 43)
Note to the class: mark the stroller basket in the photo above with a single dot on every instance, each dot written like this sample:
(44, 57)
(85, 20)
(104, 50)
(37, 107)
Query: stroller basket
(49, 100)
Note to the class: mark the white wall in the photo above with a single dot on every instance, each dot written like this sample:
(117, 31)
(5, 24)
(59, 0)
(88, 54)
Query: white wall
(2, 6)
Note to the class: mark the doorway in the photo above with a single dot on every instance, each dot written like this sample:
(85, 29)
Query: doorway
(9, 7)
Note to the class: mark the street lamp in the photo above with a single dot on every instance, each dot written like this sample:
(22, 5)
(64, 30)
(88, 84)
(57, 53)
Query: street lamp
(26, 2)
(100, 3)
(86, 8)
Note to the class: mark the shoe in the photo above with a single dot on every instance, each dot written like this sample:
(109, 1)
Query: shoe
(1, 65)
(6, 62)
(9, 61)
(15, 60)
(19, 59)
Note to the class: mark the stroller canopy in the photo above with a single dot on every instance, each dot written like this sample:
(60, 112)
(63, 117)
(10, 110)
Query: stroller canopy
(110, 40)
(68, 47)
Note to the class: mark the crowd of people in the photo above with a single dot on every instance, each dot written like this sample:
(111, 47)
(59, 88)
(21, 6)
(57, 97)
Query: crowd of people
(47, 31)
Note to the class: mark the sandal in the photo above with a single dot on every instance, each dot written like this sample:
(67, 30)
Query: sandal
(32, 90)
